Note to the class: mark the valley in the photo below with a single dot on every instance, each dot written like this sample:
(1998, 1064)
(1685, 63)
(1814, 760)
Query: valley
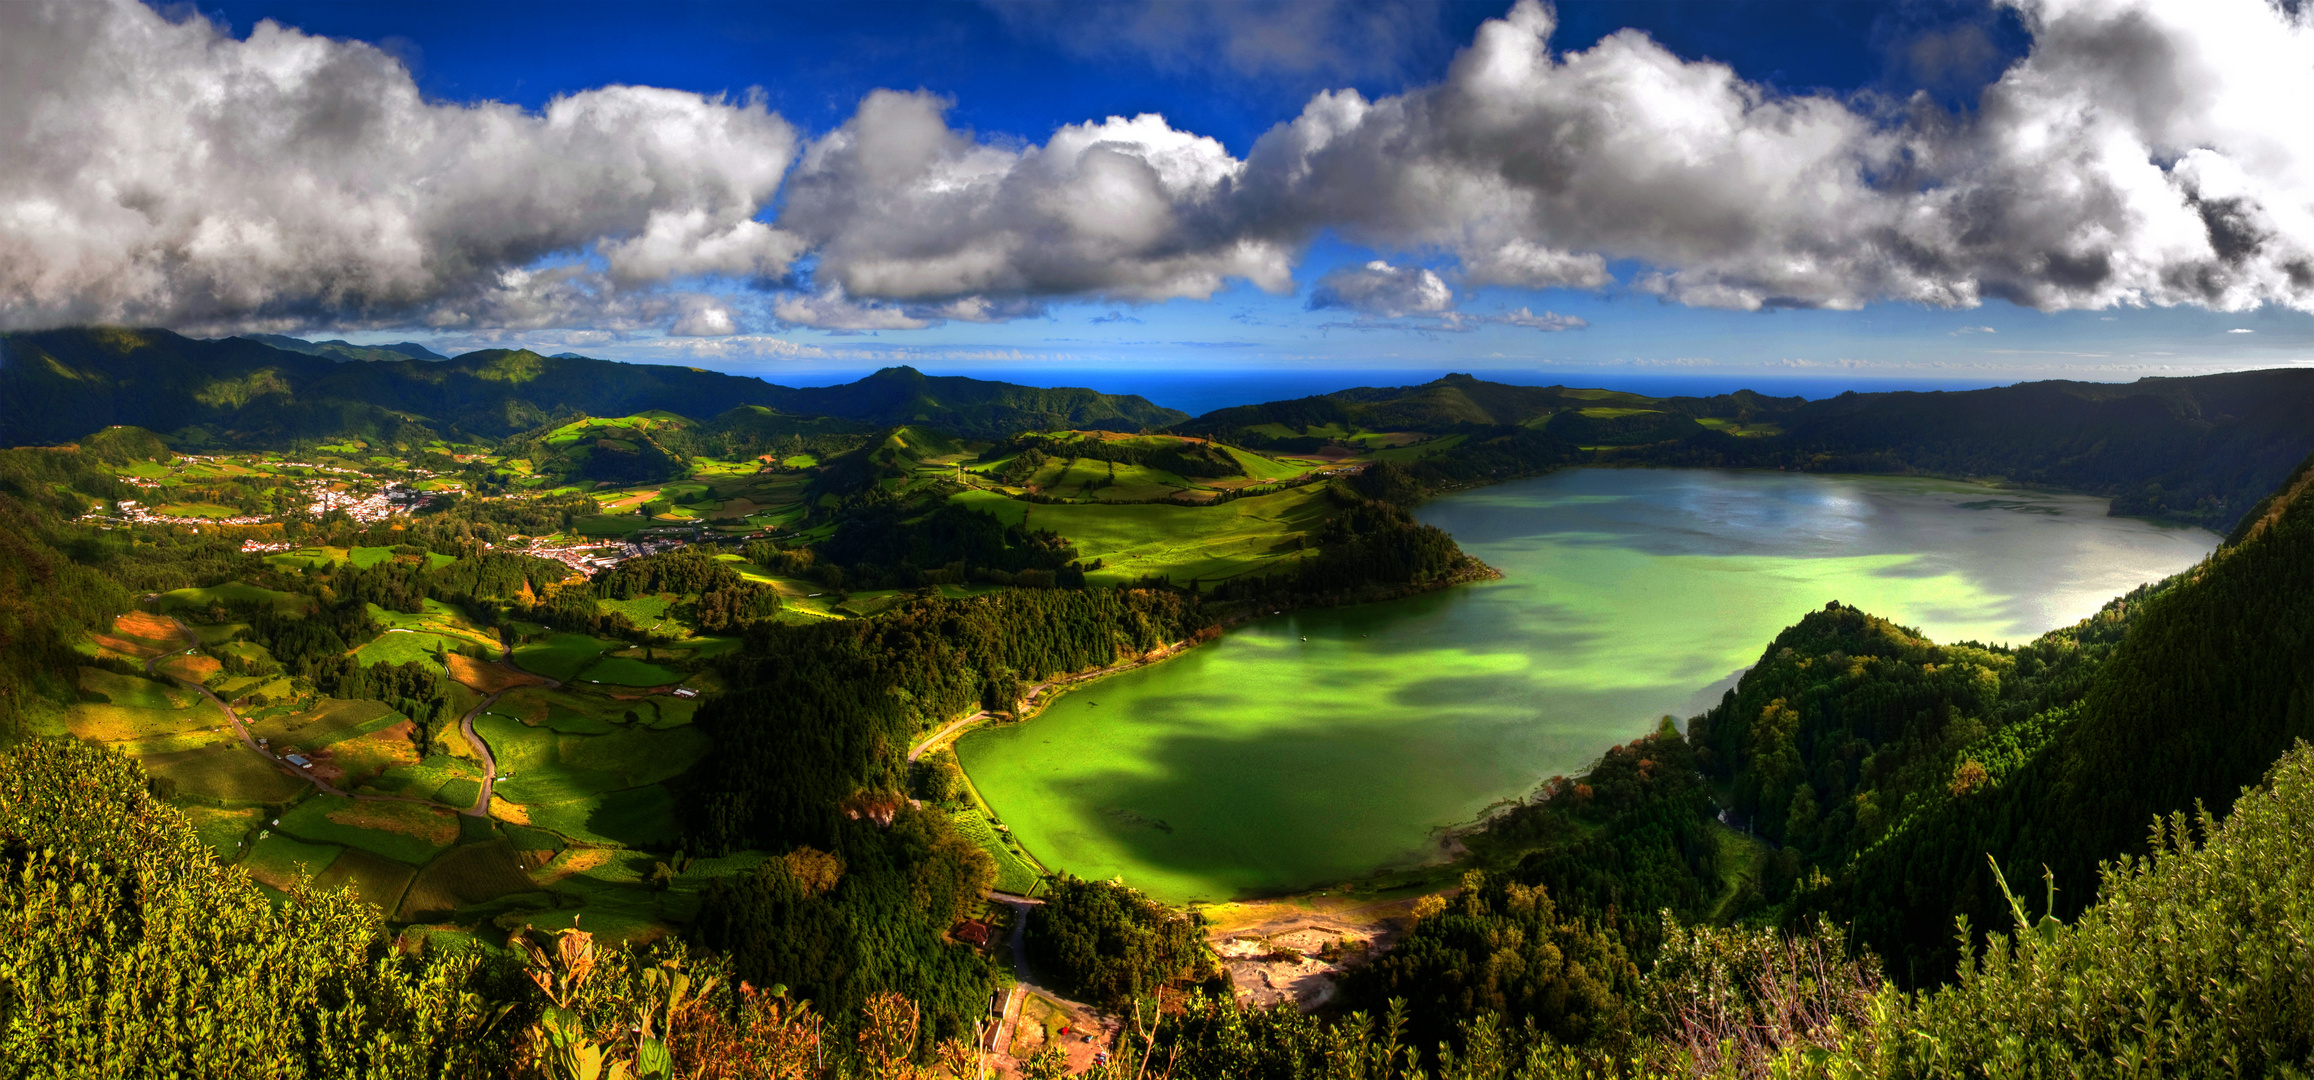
(764, 687)
(1320, 747)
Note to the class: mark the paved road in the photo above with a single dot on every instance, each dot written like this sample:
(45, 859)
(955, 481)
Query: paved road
(1034, 692)
(1025, 983)
(925, 746)
(242, 729)
(481, 807)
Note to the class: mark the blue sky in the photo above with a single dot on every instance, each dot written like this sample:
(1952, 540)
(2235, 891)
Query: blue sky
(831, 283)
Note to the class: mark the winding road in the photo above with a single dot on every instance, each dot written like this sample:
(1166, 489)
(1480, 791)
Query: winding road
(481, 807)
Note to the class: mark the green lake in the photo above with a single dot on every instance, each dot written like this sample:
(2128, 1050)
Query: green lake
(1314, 747)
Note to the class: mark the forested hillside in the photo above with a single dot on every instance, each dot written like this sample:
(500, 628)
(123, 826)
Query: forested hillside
(707, 747)
(2199, 449)
(57, 385)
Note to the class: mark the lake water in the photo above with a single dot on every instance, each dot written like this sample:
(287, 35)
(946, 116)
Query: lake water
(1313, 747)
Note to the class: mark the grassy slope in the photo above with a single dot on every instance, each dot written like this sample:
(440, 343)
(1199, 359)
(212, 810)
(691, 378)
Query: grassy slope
(1182, 543)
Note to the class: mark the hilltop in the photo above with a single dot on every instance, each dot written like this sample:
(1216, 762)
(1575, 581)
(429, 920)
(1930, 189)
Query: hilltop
(57, 385)
(2201, 449)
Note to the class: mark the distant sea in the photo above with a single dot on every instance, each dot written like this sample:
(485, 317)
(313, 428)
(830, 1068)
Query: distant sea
(1201, 390)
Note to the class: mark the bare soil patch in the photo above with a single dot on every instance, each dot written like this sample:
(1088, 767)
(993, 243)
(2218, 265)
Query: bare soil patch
(191, 667)
(489, 678)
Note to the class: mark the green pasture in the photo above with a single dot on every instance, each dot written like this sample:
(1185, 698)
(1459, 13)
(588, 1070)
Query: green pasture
(367, 557)
(219, 634)
(239, 650)
(700, 648)
(279, 858)
(231, 593)
(1014, 874)
(1208, 543)
(223, 829)
(1619, 397)
(1004, 508)
(1740, 429)
(379, 880)
(633, 817)
(328, 721)
(1266, 468)
(407, 647)
(429, 779)
(225, 772)
(196, 510)
(560, 656)
(1416, 451)
(134, 691)
(1612, 412)
(416, 833)
(545, 766)
(465, 875)
(643, 611)
(627, 671)
(569, 712)
(306, 558)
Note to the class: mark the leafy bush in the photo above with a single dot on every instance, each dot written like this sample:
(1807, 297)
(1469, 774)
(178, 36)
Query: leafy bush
(1109, 944)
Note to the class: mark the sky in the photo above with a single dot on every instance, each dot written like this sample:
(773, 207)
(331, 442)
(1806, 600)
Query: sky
(1700, 194)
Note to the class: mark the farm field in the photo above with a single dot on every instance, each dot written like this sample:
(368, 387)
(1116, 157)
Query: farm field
(560, 656)
(327, 721)
(404, 832)
(230, 594)
(1182, 543)
(1014, 874)
(627, 671)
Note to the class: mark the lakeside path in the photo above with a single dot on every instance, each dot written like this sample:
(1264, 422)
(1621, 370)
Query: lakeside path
(1037, 697)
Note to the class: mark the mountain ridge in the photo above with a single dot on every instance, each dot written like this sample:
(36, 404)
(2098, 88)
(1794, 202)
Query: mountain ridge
(57, 385)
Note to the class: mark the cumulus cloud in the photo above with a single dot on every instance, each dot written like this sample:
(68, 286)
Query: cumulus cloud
(896, 204)
(832, 310)
(165, 172)
(1386, 297)
(1379, 288)
(2143, 153)
(1549, 322)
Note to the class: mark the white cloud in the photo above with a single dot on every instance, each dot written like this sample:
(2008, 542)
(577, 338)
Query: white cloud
(164, 172)
(1973, 330)
(1381, 289)
(1548, 322)
(898, 205)
(832, 310)
(2239, 330)
(2145, 152)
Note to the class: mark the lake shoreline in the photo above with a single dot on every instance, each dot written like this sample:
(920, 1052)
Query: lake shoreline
(1236, 760)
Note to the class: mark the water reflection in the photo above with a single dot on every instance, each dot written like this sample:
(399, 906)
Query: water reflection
(1276, 762)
